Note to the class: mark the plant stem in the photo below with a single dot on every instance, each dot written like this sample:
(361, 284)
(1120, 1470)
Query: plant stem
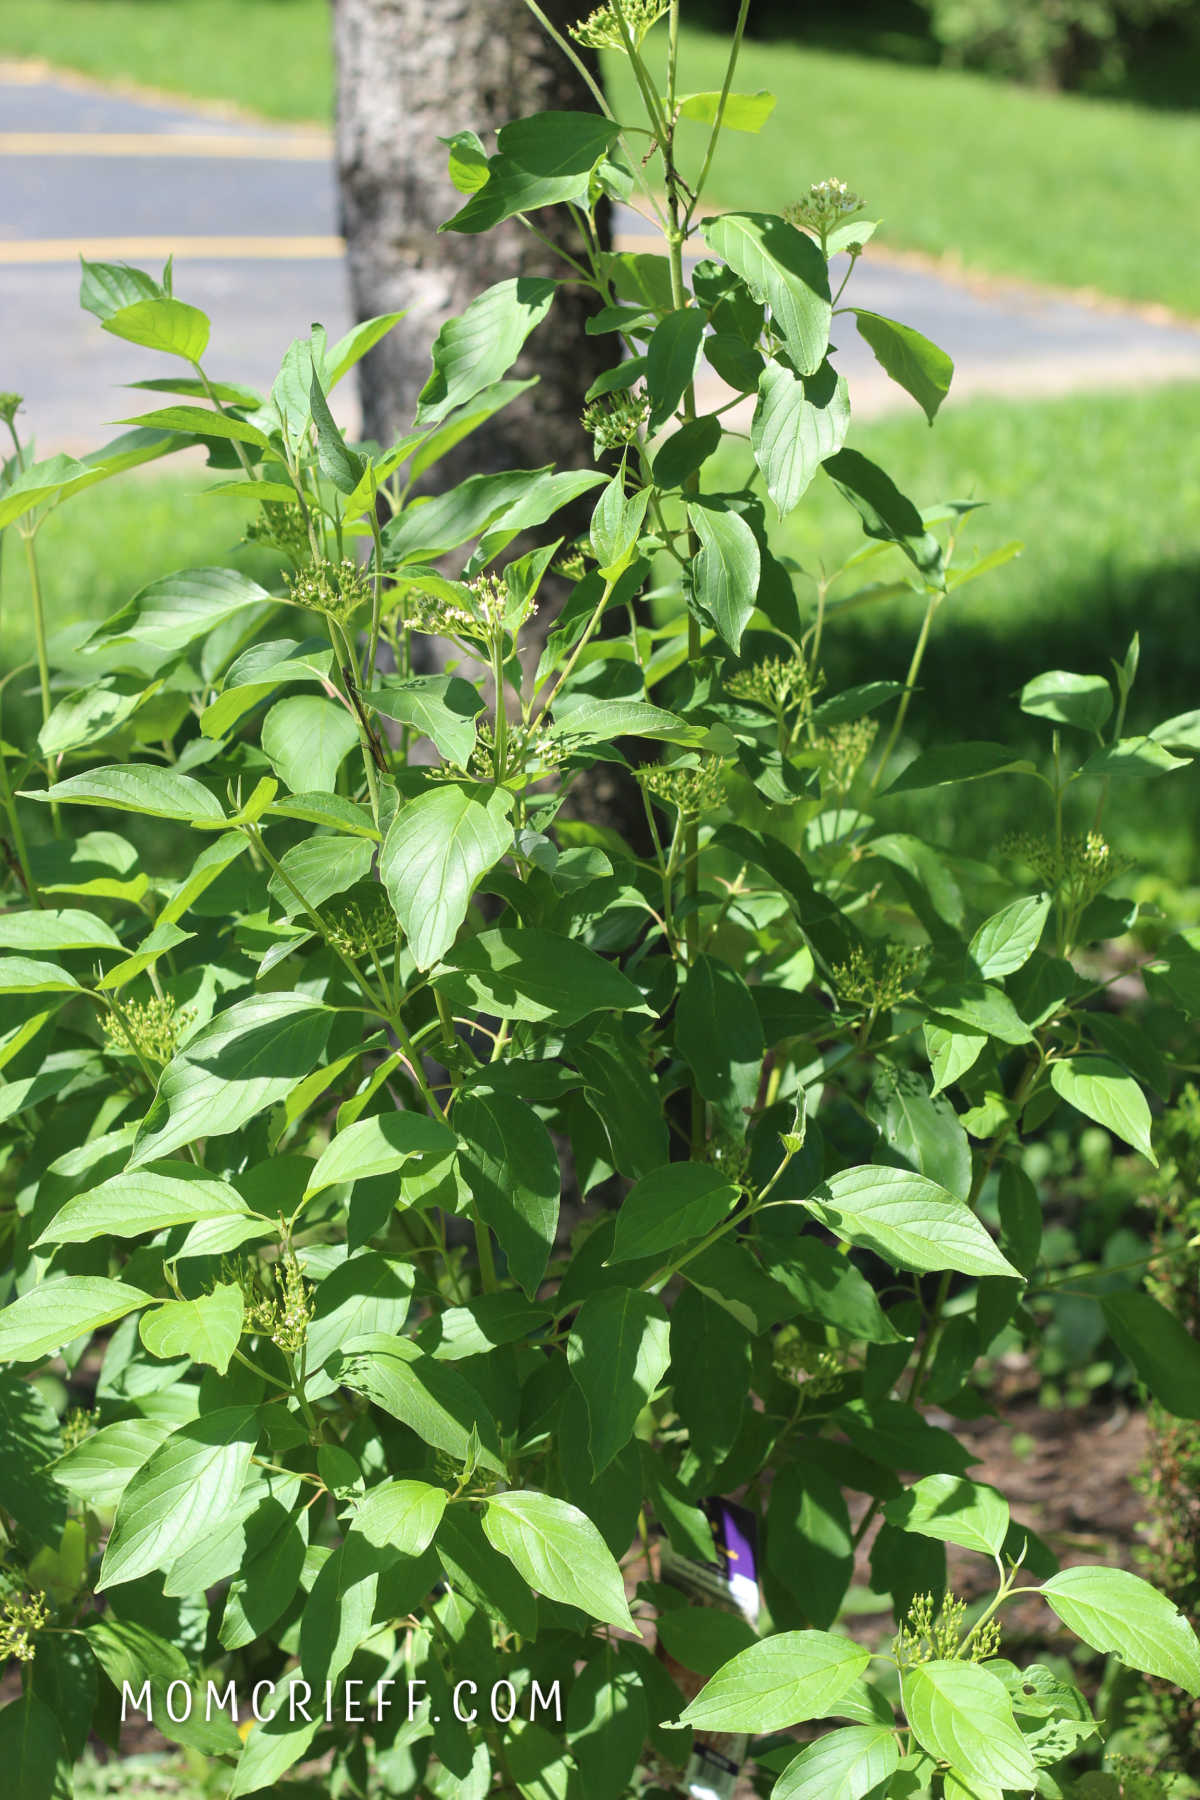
(43, 662)
(377, 596)
(589, 630)
(910, 682)
(236, 442)
(598, 95)
(691, 924)
(318, 924)
(714, 134)
(500, 743)
(18, 834)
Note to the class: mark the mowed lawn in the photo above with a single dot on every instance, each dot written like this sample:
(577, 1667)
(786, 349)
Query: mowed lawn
(1058, 188)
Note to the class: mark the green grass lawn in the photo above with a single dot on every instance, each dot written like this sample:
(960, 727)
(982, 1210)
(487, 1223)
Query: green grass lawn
(1057, 188)
(271, 56)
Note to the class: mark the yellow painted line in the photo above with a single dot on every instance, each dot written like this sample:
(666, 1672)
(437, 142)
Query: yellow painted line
(127, 249)
(307, 147)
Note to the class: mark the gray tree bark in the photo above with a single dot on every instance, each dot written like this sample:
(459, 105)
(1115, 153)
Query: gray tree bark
(409, 72)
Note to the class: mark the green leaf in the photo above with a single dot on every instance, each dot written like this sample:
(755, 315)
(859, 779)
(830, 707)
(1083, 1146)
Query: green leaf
(138, 788)
(89, 715)
(526, 973)
(1121, 1615)
(130, 1651)
(105, 288)
(509, 1162)
(429, 528)
(1134, 757)
(346, 468)
(365, 1295)
(617, 1352)
(274, 1746)
(784, 270)
(886, 513)
(468, 161)
(608, 1718)
(100, 1468)
(980, 1006)
(911, 1222)
(616, 525)
(482, 1575)
(959, 762)
(378, 1146)
(29, 1442)
(201, 421)
(36, 1763)
(22, 975)
(743, 112)
(711, 1361)
(266, 1584)
(442, 708)
(1005, 942)
(1182, 732)
(41, 481)
(538, 501)
(719, 1034)
(1101, 1090)
(600, 721)
(954, 1511)
(176, 1193)
(843, 1765)
(962, 1714)
(920, 1132)
(47, 1317)
(672, 356)
(401, 1515)
(483, 1323)
(431, 1397)
(1165, 1354)
(307, 738)
(438, 848)
(1081, 700)
(828, 1288)
(560, 1553)
(186, 1489)
(245, 1060)
(723, 579)
(162, 324)
(318, 868)
(49, 930)
(206, 1330)
(810, 1547)
(797, 424)
(913, 363)
(354, 346)
(684, 450)
(670, 1207)
(475, 349)
(540, 161)
(704, 1638)
(777, 1683)
(333, 811)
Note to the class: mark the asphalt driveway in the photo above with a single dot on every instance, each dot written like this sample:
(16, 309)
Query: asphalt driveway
(250, 212)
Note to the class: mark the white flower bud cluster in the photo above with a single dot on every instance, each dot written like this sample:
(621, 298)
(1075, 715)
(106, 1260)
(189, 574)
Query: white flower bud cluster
(827, 203)
(601, 30)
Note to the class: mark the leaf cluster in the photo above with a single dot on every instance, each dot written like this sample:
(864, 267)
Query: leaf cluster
(435, 1203)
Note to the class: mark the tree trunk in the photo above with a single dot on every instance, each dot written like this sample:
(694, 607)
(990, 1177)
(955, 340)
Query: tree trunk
(409, 72)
